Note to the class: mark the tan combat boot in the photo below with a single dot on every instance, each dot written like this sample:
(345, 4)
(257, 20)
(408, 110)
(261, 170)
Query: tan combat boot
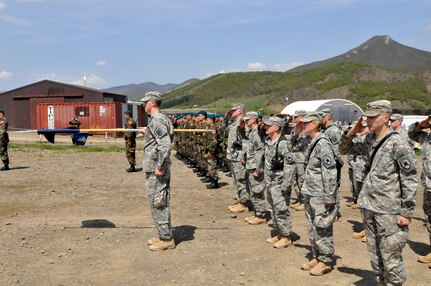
(154, 240)
(320, 269)
(359, 235)
(283, 242)
(257, 220)
(295, 205)
(425, 259)
(273, 240)
(300, 208)
(232, 206)
(307, 266)
(350, 204)
(249, 218)
(163, 245)
(356, 206)
(239, 208)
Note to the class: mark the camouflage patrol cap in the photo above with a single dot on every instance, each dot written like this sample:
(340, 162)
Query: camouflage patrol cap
(300, 112)
(396, 116)
(377, 107)
(274, 120)
(325, 111)
(312, 116)
(237, 106)
(152, 95)
(251, 114)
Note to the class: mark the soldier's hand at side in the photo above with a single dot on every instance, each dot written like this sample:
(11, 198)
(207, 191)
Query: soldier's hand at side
(243, 162)
(255, 174)
(403, 221)
(158, 173)
(142, 129)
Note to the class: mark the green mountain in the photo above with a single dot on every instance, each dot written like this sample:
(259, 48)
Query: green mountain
(384, 69)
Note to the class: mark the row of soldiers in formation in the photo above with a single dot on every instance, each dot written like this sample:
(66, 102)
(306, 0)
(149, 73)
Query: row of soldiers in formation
(265, 162)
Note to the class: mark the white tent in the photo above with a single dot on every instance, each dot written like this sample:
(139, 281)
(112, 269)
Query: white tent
(343, 111)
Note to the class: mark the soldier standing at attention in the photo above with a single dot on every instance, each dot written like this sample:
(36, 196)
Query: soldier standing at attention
(130, 138)
(419, 132)
(333, 133)
(388, 195)
(235, 154)
(300, 143)
(157, 165)
(4, 140)
(279, 172)
(254, 169)
(320, 195)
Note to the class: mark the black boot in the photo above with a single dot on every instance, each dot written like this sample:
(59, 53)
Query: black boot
(214, 185)
(201, 174)
(206, 180)
(131, 169)
(6, 165)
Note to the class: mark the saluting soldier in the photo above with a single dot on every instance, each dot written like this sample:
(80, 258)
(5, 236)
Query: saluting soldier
(157, 167)
(130, 138)
(388, 196)
(420, 132)
(4, 140)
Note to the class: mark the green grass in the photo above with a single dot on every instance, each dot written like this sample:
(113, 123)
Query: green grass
(69, 148)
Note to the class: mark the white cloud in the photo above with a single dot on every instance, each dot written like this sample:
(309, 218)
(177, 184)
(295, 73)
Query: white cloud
(285, 67)
(101, 63)
(91, 80)
(256, 66)
(5, 74)
(2, 5)
(14, 20)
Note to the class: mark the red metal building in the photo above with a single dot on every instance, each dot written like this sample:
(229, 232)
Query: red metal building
(21, 105)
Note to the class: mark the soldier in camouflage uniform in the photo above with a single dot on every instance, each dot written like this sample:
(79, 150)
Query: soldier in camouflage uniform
(130, 138)
(396, 121)
(4, 140)
(157, 164)
(300, 142)
(388, 195)
(333, 133)
(320, 195)
(279, 176)
(235, 154)
(254, 174)
(211, 148)
(419, 132)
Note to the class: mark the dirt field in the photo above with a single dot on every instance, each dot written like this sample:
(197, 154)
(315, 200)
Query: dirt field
(70, 218)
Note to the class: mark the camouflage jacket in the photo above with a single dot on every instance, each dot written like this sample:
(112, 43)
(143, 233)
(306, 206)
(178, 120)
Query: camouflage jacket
(320, 178)
(334, 135)
(278, 151)
(391, 181)
(255, 151)
(235, 140)
(415, 133)
(130, 124)
(299, 146)
(4, 137)
(157, 143)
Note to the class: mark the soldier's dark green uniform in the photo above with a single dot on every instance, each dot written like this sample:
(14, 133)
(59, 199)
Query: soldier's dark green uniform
(130, 138)
(4, 140)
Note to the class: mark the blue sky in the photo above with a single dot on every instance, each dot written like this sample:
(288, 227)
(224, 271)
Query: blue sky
(113, 43)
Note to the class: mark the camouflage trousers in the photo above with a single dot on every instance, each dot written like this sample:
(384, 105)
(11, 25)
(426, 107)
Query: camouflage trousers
(320, 221)
(3, 152)
(299, 180)
(427, 209)
(212, 168)
(279, 199)
(238, 174)
(352, 184)
(385, 242)
(256, 188)
(131, 152)
(159, 196)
